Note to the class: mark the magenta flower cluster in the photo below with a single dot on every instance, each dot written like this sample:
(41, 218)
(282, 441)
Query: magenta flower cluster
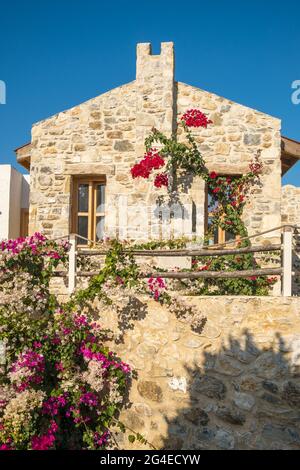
(36, 244)
(53, 405)
(19, 244)
(45, 441)
(33, 361)
(88, 353)
(89, 398)
(157, 286)
(101, 439)
(80, 320)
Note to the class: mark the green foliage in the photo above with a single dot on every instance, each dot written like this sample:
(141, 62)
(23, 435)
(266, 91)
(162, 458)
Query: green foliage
(228, 197)
(61, 386)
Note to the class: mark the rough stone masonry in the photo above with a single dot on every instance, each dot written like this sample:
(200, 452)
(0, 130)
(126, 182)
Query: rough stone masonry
(236, 384)
(233, 385)
(105, 137)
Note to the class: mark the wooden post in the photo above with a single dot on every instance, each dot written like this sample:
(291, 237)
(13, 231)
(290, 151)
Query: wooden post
(72, 264)
(287, 246)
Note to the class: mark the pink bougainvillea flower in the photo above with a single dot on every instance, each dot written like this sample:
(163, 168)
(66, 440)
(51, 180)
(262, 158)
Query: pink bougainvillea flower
(52, 405)
(80, 320)
(45, 441)
(59, 366)
(195, 118)
(89, 398)
(56, 340)
(34, 363)
(157, 286)
(66, 331)
(119, 280)
(5, 447)
(101, 439)
(54, 255)
(213, 175)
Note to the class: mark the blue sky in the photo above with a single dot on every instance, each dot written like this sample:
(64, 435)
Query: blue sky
(55, 54)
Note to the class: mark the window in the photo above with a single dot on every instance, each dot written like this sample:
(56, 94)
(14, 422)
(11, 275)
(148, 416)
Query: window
(89, 209)
(219, 236)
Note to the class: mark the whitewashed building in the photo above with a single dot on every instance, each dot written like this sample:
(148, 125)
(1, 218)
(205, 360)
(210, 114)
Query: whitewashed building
(14, 202)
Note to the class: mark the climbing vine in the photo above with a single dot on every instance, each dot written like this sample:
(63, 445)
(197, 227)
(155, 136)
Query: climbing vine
(228, 197)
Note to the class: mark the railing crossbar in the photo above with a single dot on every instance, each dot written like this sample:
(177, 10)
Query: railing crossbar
(285, 271)
(192, 252)
(192, 275)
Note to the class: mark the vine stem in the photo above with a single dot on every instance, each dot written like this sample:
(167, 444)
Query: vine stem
(133, 431)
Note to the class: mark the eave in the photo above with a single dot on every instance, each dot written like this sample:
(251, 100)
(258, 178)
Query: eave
(290, 153)
(23, 154)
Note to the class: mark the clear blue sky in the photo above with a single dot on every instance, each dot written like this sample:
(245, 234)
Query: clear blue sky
(55, 54)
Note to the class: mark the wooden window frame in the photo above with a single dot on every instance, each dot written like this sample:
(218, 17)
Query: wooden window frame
(91, 214)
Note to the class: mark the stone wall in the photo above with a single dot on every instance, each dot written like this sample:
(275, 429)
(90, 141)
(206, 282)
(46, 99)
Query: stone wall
(94, 138)
(290, 214)
(231, 142)
(105, 136)
(235, 385)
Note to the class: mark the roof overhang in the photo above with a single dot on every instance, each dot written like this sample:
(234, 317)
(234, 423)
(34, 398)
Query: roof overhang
(290, 154)
(23, 155)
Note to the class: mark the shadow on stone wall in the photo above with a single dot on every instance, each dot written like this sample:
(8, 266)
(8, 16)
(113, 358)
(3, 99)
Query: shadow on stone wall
(135, 310)
(243, 397)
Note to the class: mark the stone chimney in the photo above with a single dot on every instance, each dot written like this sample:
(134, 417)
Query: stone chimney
(155, 91)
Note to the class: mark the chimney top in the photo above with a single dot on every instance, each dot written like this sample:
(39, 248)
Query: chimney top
(145, 48)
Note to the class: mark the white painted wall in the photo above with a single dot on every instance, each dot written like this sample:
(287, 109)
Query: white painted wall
(5, 174)
(25, 192)
(14, 195)
(15, 203)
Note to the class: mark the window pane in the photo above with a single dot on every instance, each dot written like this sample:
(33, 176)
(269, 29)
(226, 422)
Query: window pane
(99, 228)
(83, 229)
(229, 236)
(100, 197)
(214, 237)
(211, 204)
(83, 198)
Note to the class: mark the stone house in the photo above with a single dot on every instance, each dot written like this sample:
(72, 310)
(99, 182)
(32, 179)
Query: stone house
(80, 159)
(236, 384)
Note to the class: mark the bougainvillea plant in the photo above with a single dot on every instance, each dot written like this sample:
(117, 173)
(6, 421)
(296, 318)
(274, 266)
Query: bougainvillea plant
(60, 385)
(228, 196)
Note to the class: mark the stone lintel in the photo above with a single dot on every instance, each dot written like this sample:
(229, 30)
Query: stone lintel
(90, 169)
